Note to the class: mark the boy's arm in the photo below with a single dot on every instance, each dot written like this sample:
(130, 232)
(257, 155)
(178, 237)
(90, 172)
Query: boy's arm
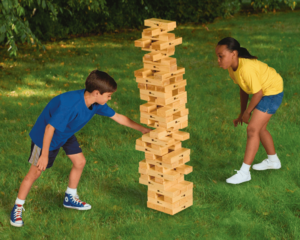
(123, 120)
(43, 160)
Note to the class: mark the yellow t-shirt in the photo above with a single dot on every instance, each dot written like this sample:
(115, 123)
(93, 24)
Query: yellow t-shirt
(253, 75)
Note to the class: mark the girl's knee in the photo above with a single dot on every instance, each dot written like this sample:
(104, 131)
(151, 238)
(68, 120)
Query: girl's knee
(252, 131)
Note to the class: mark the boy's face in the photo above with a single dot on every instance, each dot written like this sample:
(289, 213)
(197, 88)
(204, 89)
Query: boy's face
(102, 98)
(225, 57)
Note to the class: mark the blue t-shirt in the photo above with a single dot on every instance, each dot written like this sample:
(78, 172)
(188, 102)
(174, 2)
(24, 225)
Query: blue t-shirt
(67, 113)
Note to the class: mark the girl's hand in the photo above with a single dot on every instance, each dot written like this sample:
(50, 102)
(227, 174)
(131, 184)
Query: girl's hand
(238, 120)
(245, 117)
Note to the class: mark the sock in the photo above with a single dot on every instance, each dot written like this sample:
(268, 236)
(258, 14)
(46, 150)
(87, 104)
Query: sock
(19, 201)
(273, 158)
(245, 168)
(72, 191)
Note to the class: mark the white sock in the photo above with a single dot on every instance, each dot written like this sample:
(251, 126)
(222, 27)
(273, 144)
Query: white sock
(273, 158)
(245, 168)
(19, 201)
(72, 191)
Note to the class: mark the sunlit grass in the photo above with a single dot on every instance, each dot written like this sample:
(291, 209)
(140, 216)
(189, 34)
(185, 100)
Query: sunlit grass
(265, 208)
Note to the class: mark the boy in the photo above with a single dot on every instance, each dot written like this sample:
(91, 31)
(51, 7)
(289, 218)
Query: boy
(64, 115)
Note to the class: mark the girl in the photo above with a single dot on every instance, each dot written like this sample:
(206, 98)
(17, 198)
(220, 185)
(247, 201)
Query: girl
(266, 85)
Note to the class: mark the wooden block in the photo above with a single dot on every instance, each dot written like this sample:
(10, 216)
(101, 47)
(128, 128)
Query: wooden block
(149, 32)
(184, 124)
(151, 205)
(148, 107)
(158, 67)
(159, 162)
(161, 45)
(170, 175)
(144, 165)
(156, 94)
(144, 43)
(182, 97)
(165, 141)
(176, 155)
(170, 110)
(152, 81)
(184, 169)
(159, 133)
(160, 23)
(161, 186)
(181, 136)
(180, 208)
(163, 36)
(155, 117)
(174, 199)
(167, 61)
(176, 146)
(152, 148)
(165, 75)
(143, 73)
(156, 56)
(166, 52)
(175, 123)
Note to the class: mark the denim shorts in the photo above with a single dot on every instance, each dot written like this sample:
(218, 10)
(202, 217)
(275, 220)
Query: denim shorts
(270, 104)
(70, 147)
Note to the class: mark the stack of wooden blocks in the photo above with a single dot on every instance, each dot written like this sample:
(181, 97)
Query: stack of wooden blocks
(162, 85)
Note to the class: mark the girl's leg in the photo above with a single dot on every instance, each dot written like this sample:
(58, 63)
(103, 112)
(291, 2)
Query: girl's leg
(258, 121)
(29, 179)
(267, 140)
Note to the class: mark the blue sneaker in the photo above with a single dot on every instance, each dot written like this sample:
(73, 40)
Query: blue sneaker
(16, 216)
(74, 202)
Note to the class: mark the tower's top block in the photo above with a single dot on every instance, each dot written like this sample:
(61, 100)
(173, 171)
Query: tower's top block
(160, 23)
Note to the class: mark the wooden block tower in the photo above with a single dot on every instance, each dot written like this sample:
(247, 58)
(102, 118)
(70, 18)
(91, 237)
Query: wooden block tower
(162, 85)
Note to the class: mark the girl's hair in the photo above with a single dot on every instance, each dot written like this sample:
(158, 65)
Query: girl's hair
(233, 44)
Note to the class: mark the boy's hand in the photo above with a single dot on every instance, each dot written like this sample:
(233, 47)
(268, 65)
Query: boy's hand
(146, 130)
(42, 163)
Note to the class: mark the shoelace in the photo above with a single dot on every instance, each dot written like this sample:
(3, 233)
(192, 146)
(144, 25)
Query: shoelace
(76, 199)
(267, 161)
(18, 212)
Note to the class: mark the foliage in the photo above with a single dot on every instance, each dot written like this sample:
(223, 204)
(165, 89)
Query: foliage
(265, 208)
(272, 5)
(33, 20)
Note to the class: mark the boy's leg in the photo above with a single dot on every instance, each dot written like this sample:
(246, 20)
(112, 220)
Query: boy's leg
(16, 213)
(32, 175)
(71, 197)
(78, 161)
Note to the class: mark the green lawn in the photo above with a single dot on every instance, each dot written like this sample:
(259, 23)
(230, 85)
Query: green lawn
(267, 207)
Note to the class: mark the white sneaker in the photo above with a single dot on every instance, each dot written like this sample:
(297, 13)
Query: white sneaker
(267, 164)
(238, 178)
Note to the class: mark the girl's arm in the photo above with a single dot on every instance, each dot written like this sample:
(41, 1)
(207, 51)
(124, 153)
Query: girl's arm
(244, 100)
(254, 101)
(123, 120)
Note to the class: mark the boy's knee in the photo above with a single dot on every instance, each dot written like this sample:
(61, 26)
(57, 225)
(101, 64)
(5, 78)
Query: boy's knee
(80, 163)
(33, 174)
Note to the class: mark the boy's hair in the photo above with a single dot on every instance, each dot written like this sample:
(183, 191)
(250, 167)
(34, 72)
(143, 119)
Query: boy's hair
(101, 81)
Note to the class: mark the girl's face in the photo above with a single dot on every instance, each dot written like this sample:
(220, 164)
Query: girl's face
(226, 58)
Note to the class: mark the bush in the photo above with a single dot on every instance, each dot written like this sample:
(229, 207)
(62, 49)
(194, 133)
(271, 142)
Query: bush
(31, 20)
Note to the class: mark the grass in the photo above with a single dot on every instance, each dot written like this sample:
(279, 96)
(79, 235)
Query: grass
(267, 207)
